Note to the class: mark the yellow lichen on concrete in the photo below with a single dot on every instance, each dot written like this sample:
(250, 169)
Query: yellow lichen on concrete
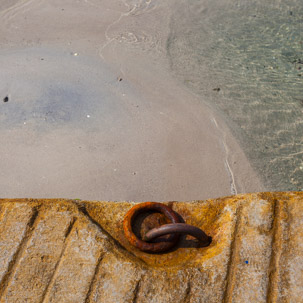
(75, 251)
(210, 216)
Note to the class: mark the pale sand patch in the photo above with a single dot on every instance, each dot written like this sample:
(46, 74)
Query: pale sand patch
(94, 112)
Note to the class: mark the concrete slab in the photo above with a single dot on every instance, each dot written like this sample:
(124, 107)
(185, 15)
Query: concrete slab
(75, 251)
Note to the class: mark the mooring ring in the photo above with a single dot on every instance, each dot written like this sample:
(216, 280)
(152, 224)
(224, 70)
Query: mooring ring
(178, 228)
(143, 245)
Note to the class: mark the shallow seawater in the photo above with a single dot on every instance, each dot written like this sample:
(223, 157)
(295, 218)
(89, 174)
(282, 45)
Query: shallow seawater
(246, 59)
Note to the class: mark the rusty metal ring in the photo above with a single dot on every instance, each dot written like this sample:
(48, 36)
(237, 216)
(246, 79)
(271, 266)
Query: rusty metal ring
(178, 228)
(142, 245)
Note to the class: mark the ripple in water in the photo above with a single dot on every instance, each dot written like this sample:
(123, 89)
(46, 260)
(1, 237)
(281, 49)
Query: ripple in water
(253, 52)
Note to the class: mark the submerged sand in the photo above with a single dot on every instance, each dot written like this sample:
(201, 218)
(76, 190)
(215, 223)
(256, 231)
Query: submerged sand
(93, 111)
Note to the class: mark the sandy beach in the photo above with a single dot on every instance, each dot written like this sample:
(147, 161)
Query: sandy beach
(90, 109)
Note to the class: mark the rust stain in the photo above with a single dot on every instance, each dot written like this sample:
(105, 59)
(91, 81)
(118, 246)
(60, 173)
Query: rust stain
(213, 216)
(135, 241)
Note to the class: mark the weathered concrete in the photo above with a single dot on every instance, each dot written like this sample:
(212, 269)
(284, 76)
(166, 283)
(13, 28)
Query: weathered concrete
(75, 251)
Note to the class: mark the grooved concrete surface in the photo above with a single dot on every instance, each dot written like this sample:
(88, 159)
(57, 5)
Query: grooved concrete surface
(75, 251)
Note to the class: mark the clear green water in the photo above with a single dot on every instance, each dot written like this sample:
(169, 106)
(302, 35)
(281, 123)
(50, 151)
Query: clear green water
(253, 52)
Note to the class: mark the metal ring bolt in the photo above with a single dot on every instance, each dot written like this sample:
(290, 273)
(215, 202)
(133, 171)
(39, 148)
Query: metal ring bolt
(174, 229)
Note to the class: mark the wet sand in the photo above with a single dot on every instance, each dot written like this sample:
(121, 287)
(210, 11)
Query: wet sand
(94, 112)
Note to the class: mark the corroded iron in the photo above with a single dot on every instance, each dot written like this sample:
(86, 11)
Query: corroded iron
(143, 245)
(178, 228)
(173, 229)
